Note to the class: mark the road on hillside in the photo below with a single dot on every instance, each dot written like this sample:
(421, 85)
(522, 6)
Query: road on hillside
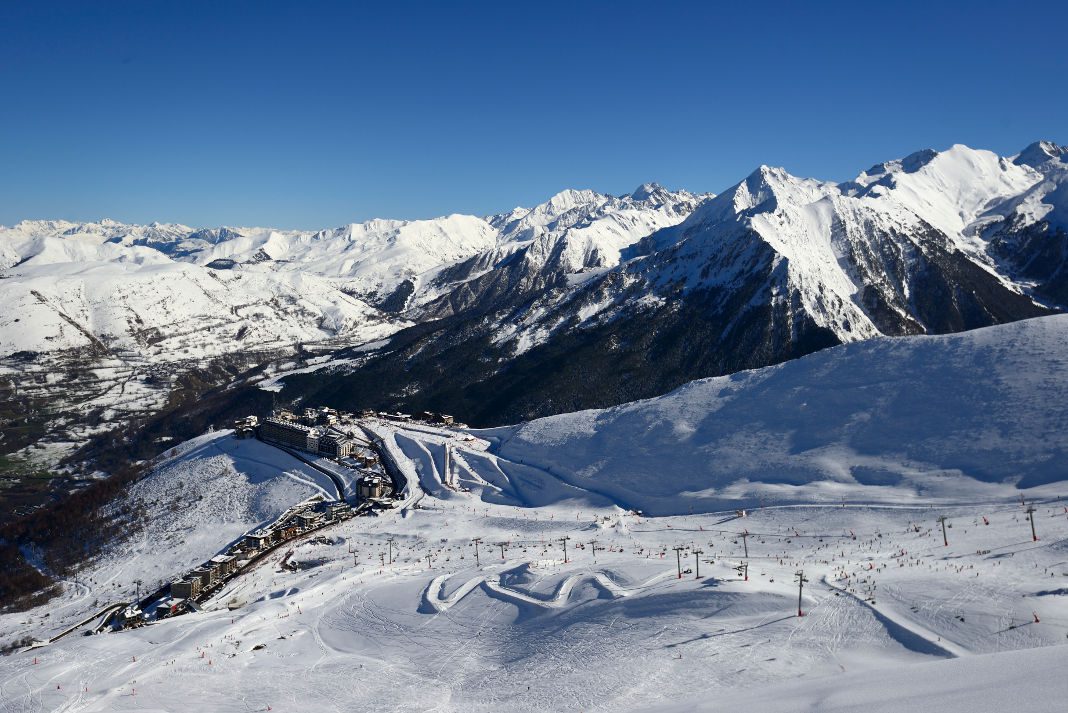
(400, 482)
(338, 485)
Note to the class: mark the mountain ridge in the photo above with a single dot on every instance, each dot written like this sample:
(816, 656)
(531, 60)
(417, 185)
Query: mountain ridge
(585, 300)
(772, 268)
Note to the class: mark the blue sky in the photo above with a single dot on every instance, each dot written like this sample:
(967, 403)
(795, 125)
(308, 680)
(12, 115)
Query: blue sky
(308, 114)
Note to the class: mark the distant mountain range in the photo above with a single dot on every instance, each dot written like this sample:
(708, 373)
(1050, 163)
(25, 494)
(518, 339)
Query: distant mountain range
(586, 300)
(773, 268)
(139, 288)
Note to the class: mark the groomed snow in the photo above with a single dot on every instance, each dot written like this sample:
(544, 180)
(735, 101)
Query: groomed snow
(970, 416)
(1010, 681)
(892, 617)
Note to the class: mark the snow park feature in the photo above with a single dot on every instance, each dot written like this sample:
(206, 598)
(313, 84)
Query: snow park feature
(832, 588)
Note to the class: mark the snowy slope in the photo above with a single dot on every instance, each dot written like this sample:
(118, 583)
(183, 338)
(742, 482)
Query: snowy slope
(210, 492)
(1027, 234)
(965, 417)
(171, 310)
(891, 615)
(201, 496)
(1032, 679)
(948, 189)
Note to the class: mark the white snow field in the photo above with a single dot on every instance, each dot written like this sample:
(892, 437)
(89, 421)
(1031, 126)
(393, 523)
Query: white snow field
(957, 418)
(879, 441)
(1008, 681)
(613, 629)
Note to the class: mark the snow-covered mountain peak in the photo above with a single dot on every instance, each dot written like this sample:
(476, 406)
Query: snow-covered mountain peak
(773, 185)
(38, 227)
(500, 220)
(910, 164)
(951, 166)
(216, 235)
(762, 191)
(1045, 203)
(561, 211)
(1040, 153)
(570, 198)
(823, 246)
(948, 189)
(649, 191)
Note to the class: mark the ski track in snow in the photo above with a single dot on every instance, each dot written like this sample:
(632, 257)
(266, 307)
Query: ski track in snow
(432, 594)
